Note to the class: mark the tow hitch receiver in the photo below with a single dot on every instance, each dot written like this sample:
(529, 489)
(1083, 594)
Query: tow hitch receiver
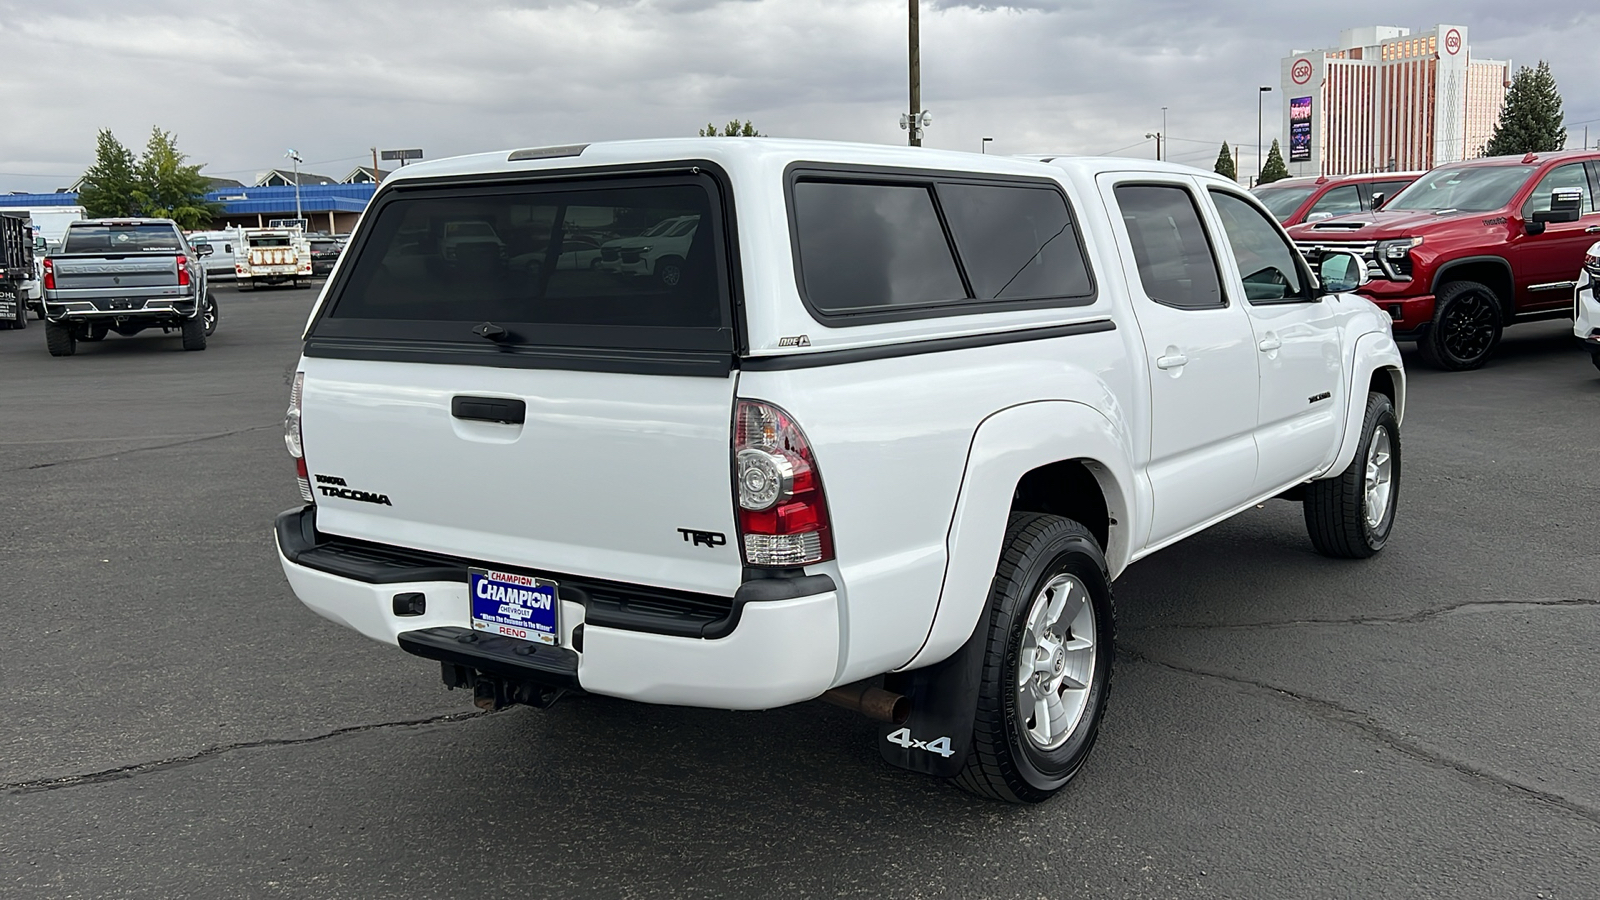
(499, 671)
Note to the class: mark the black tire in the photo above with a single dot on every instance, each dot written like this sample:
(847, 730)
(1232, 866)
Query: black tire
(1466, 327)
(59, 339)
(669, 271)
(95, 331)
(1595, 358)
(194, 333)
(1006, 762)
(1336, 509)
(211, 313)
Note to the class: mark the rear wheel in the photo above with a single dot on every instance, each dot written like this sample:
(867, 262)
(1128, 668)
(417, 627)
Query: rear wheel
(59, 339)
(194, 333)
(1047, 664)
(1466, 327)
(211, 314)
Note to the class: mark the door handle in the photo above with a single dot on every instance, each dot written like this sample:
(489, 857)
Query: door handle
(1270, 344)
(1174, 361)
(489, 409)
(1591, 229)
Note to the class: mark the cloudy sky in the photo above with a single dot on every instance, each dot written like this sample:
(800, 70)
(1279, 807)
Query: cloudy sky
(240, 82)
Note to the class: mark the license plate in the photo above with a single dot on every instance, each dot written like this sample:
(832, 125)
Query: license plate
(514, 606)
(120, 304)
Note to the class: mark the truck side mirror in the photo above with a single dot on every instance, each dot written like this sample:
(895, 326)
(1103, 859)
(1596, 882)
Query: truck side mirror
(1566, 205)
(1342, 272)
(1377, 199)
(204, 249)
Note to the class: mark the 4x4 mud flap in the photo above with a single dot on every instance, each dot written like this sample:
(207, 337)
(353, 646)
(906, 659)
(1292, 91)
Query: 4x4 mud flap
(936, 738)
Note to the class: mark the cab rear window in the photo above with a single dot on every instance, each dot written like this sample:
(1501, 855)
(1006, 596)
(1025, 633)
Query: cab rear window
(121, 239)
(584, 269)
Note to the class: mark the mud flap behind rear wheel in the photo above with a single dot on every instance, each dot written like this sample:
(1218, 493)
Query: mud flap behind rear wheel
(944, 699)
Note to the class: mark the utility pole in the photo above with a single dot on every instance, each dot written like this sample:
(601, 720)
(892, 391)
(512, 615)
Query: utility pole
(1159, 154)
(914, 135)
(1236, 161)
(374, 166)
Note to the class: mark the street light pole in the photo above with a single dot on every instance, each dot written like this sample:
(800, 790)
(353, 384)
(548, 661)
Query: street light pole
(1163, 131)
(983, 145)
(295, 155)
(1258, 132)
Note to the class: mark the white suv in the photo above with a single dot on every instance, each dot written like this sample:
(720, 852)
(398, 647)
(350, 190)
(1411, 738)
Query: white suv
(887, 440)
(1586, 304)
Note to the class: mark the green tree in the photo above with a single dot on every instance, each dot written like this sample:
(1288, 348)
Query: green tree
(1274, 169)
(169, 189)
(1225, 166)
(1530, 121)
(735, 128)
(107, 189)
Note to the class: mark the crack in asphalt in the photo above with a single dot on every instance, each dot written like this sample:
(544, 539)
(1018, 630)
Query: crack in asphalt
(1407, 619)
(172, 762)
(1335, 712)
(192, 440)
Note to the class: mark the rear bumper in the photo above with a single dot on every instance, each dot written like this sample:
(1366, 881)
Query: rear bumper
(777, 644)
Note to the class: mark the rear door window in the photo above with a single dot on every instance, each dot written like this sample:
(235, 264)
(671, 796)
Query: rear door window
(1336, 202)
(876, 250)
(438, 262)
(1176, 267)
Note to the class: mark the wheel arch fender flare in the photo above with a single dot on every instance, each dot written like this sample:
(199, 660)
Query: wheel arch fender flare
(1442, 276)
(1006, 446)
(1373, 351)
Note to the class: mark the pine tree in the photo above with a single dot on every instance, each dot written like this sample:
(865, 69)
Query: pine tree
(167, 188)
(1530, 121)
(107, 189)
(735, 128)
(1225, 166)
(1274, 169)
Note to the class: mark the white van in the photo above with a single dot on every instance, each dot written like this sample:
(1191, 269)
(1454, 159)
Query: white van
(219, 265)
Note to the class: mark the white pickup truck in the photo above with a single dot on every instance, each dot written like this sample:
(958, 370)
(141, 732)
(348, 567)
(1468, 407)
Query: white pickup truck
(887, 440)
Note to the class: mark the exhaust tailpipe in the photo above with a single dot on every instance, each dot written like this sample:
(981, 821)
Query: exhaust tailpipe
(871, 701)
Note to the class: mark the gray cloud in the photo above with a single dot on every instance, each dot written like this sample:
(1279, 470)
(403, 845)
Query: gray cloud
(239, 83)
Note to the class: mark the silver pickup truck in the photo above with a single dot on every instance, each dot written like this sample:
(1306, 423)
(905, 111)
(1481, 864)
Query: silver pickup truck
(123, 276)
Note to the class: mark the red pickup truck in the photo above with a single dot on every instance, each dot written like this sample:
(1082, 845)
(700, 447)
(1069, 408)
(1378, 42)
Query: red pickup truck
(1472, 247)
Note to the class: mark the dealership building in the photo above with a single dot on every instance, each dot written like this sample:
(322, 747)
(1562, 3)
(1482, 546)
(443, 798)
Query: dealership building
(1387, 99)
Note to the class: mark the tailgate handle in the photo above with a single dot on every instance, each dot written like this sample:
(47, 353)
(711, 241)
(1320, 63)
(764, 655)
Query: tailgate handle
(489, 409)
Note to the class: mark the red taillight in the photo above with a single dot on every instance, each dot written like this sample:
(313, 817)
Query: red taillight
(49, 274)
(183, 270)
(291, 438)
(783, 516)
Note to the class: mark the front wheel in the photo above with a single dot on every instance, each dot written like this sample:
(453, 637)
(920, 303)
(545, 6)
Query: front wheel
(1350, 516)
(1465, 329)
(669, 271)
(1047, 662)
(211, 314)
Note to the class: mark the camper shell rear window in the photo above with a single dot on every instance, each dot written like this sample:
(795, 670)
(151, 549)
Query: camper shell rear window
(621, 273)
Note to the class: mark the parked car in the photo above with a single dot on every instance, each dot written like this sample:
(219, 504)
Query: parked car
(324, 253)
(888, 448)
(1472, 247)
(124, 276)
(659, 251)
(1313, 198)
(1586, 304)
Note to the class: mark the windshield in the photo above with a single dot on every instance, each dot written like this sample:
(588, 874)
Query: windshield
(658, 227)
(1464, 188)
(1282, 202)
(121, 239)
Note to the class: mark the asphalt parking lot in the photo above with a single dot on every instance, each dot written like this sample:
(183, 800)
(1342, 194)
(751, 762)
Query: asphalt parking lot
(175, 723)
